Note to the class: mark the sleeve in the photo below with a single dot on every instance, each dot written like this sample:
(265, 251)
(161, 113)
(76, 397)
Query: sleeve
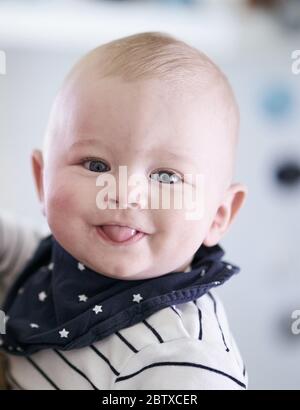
(18, 241)
(182, 364)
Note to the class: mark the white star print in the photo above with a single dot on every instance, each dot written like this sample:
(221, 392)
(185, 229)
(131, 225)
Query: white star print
(34, 325)
(42, 296)
(80, 266)
(51, 266)
(20, 291)
(82, 298)
(97, 309)
(137, 298)
(64, 333)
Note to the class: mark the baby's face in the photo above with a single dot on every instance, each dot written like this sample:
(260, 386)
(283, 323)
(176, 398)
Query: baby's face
(147, 126)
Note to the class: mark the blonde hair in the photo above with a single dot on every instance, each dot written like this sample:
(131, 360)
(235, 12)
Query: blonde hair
(146, 55)
(151, 54)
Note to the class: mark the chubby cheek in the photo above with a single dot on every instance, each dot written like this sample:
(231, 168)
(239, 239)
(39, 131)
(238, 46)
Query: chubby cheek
(68, 204)
(175, 228)
(176, 240)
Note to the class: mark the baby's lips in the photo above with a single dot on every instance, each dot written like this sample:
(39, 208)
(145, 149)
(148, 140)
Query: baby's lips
(118, 233)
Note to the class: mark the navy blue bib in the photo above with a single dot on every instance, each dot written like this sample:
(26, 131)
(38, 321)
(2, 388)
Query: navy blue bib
(57, 302)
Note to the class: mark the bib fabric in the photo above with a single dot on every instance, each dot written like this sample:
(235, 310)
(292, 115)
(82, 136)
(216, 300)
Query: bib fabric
(57, 302)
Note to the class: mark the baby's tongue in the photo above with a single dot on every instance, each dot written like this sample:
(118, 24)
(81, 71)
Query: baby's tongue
(118, 233)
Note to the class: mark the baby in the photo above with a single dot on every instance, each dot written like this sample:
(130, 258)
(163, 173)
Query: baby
(119, 295)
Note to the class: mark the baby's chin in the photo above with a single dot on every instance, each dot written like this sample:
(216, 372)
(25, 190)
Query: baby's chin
(125, 267)
(128, 269)
(125, 270)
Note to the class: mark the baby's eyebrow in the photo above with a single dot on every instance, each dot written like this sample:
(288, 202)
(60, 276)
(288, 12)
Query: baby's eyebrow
(171, 154)
(89, 142)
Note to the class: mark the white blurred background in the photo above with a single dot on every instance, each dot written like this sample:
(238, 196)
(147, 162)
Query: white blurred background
(253, 42)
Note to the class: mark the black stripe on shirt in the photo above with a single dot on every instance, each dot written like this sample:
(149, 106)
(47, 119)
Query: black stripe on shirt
(126, 342)
(75, 368)
(42, 373)
(156, 334)
(175, 310)
(215, 310)
(211, 369)
(105, 359)
(200, 320)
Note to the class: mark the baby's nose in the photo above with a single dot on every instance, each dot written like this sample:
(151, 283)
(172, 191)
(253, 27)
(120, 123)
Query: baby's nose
(131, 191)
(126, 190)
(130, 197)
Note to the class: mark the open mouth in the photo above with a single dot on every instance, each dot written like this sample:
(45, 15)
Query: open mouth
(119, 235)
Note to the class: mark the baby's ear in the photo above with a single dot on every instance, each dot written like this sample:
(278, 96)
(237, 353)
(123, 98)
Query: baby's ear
(233, 200)
(37, 165)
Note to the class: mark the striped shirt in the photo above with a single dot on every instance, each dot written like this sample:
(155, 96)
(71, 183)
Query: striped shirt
(181, 347)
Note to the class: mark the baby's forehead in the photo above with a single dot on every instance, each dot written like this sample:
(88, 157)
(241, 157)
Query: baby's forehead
(200, 94)
(148, 107)
(87, 101)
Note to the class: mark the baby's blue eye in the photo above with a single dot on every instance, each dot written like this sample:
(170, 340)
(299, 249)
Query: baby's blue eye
(166, 177)
(95, 166)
